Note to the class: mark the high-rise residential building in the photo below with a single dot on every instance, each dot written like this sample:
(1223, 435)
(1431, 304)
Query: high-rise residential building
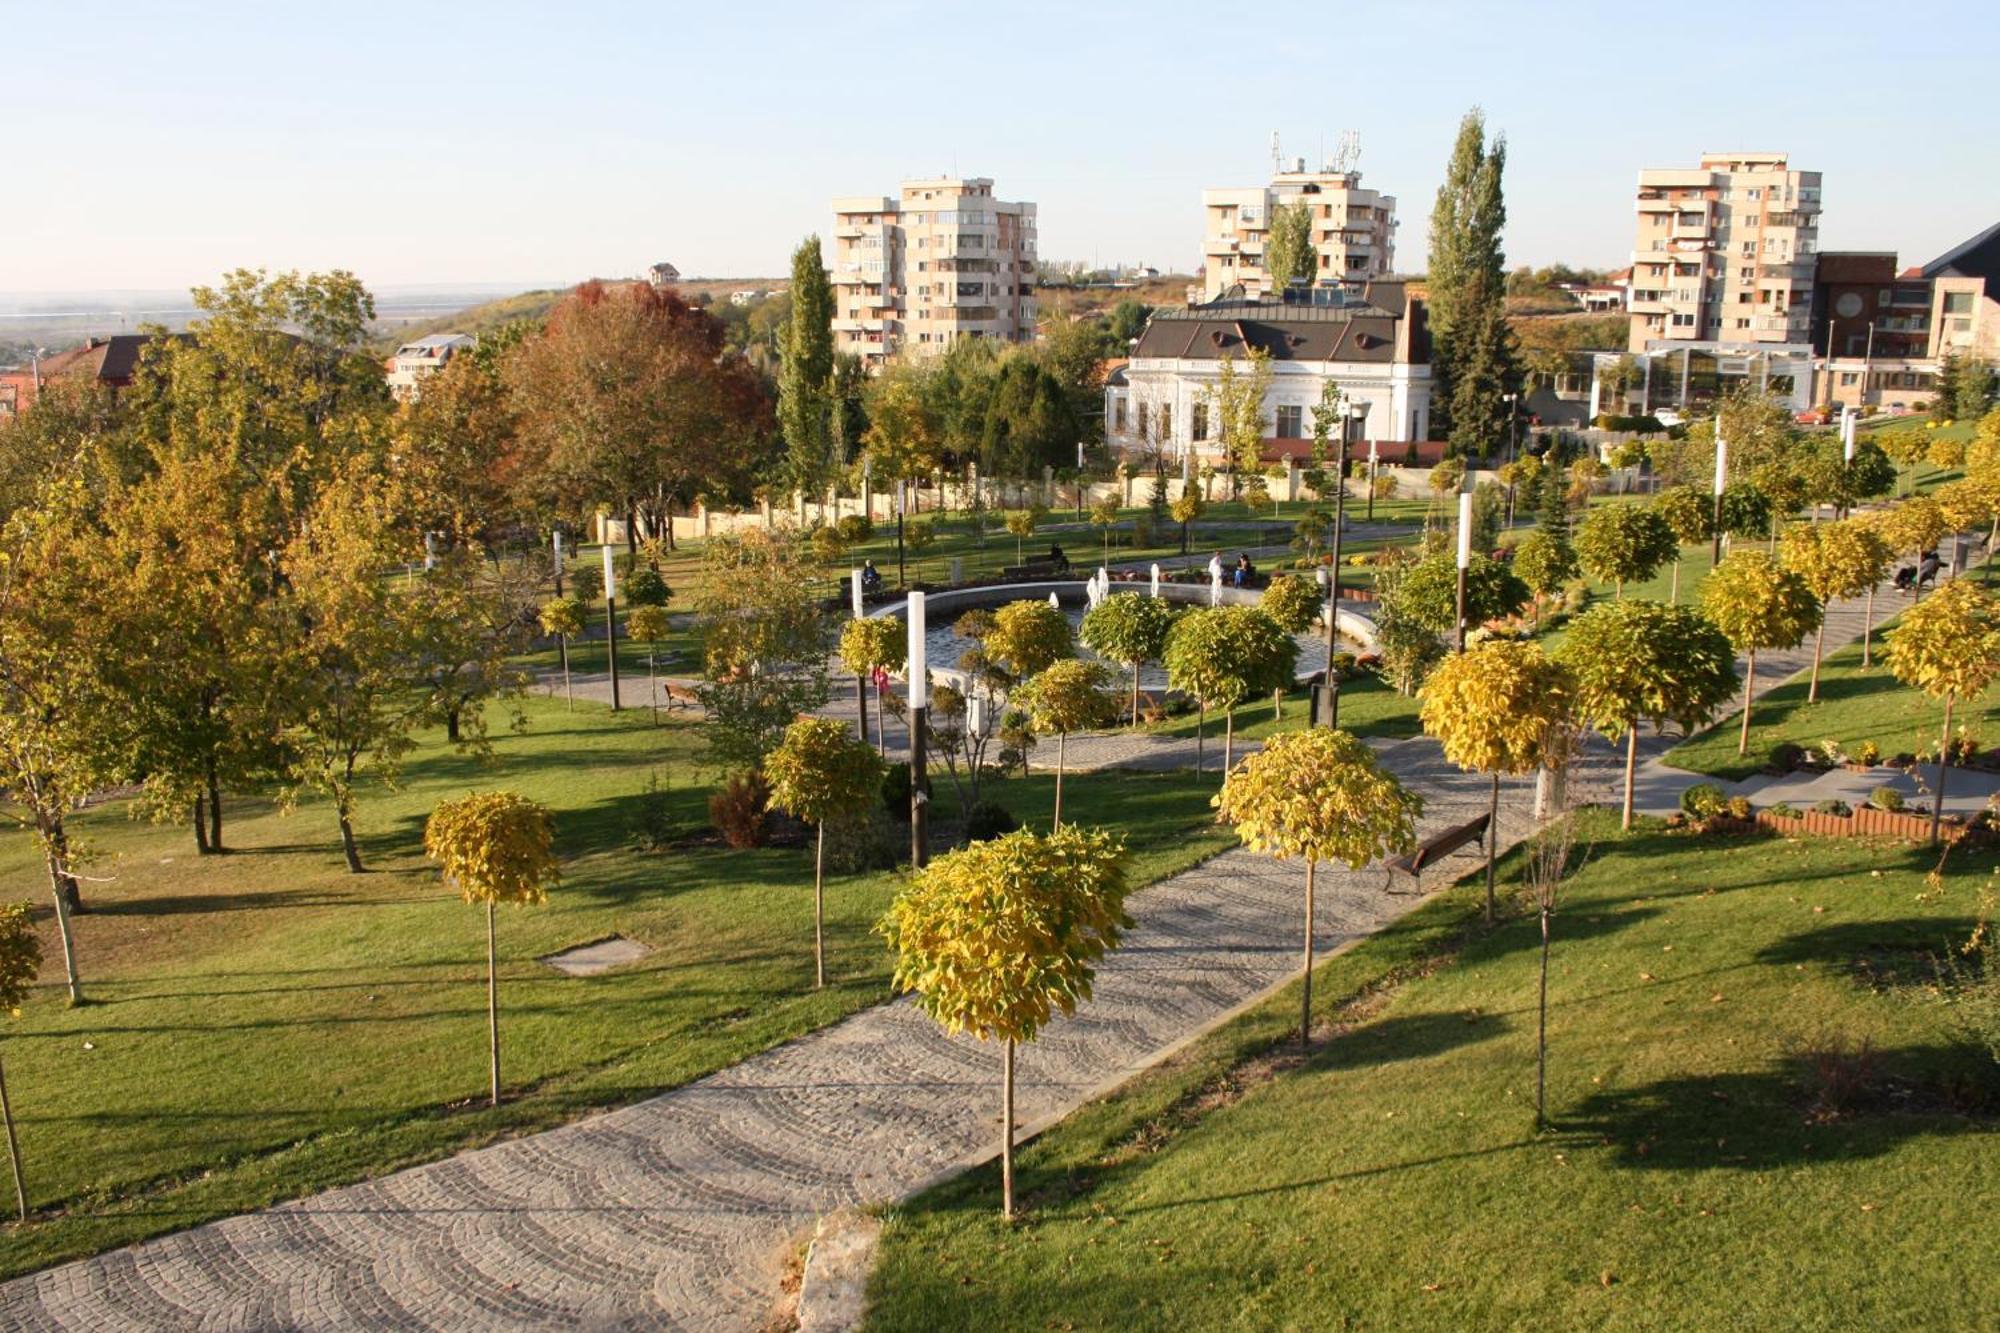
(1725, 253)
(1353, 230)
(942, 261)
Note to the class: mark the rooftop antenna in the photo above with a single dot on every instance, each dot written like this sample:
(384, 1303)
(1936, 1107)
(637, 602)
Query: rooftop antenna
(1277, 159)
(1348, 153)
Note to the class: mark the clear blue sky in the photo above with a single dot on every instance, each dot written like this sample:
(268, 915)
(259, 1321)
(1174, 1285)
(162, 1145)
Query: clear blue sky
(153, 145)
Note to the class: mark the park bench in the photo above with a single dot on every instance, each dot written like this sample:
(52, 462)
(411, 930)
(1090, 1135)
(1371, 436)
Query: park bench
(1033, 571)
(1438, 846)
(680, 696)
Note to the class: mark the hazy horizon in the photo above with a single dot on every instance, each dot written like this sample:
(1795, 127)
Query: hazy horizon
(444, 153)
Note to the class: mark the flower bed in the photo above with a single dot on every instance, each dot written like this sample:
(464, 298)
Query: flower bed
(1865, 822)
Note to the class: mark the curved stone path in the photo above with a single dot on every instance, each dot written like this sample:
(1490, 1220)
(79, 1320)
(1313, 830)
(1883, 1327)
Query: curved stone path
(677, 1211)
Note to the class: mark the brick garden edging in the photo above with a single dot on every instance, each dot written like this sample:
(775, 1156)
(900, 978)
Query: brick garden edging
(1865, 822)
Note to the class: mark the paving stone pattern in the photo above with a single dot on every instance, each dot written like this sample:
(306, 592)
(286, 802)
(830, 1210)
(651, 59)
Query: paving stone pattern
(676, 1211)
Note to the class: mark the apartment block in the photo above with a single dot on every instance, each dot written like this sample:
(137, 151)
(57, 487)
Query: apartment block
(941, 261)
(1353, 230)
(1725, 253)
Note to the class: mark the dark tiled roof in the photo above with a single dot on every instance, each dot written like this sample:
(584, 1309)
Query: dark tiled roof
(1976, 258)
(1337, 325)
(112, 360)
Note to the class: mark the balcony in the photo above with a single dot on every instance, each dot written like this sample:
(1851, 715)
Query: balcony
(860, 325)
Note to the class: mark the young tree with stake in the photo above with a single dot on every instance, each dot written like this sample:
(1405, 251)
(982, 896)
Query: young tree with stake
(651, 624)
(1948, 647)
(1838, 559)
(20, 961)
(1499, 707)
(1758, 603)
(818, 773)
(1644, 661)
(1223, 655)
(562, 618)
(1322, 795)
(493, 847)
(1129, 628)
(1624, 543)
(866, 646)
(1689, 512)
(997, 937)
(1067, 696)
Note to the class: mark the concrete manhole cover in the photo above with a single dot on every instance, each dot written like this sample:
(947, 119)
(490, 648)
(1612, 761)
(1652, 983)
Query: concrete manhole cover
(587, 960)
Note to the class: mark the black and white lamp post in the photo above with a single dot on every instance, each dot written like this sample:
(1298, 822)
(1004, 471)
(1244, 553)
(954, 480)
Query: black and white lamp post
(611, 621)
(1464, 558)
(920, 702)
(1721, 480)
(860, 678)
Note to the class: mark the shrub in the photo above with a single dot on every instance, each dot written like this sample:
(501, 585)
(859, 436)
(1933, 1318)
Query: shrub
(1886, 798)
(1963, 748)
(740, 811)
(1702, 800)
(989, 819)
(1739, 807)
(868, 841)
(1785, 757)
(1837, 1076)
(586, 583)
(1868, 754)
(1784, 810)
(896, 792)
(645, 587)
(855, 528)
(1832, 806)
(1344, 666)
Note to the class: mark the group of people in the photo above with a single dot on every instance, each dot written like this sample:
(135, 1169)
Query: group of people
(1242, 576)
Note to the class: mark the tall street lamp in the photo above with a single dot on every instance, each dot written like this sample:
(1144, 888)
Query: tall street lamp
(1464, 558)
(1721, 478)
(920, 700)
(1373, 462)
(611, 621)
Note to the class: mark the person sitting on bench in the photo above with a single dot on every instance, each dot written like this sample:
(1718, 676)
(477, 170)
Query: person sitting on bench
(1245, 571)
(1057, 559)
(871, 581)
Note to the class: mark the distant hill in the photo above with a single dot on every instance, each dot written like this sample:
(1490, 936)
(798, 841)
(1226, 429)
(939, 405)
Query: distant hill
(490, 315)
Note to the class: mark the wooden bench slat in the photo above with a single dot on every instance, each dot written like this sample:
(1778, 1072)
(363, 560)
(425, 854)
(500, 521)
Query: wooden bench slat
(1441, 844)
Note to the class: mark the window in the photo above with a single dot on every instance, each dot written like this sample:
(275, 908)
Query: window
(1847, 379)
(1742, 323)
(1144, 418)
(1958, 303)
(1291, 421)
(1683, 321)
(1118, 416)
(1198, 422)
(1166, 421)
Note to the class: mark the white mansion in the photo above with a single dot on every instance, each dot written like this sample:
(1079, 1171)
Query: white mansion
(1370, 340)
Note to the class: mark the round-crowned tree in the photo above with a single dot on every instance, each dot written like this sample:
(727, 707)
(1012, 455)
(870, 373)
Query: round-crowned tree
(867, 645)
(1690, 515)
(997, 937)
(1624, 543)
(820, 773)
(1839, 559)
(1320, 795)
(1222, 655)
(1129, 628)
(1948, 647)
(1545, 562)
(1066, 696)
(1758, 603)
(1640, 661)
(493, 847)
(1026, 637)
(1292, 601)
(1428, 592)
(1499, 707)
(1916, 525)
(20, 962)
(562, 619)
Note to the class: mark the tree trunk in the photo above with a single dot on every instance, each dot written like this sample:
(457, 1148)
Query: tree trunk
(492, 1004)
(1135, 696)
(1200, 721)
(1306, 990)
(1492, 843)
(13, 1147)
(201, 825)
(1749, 686)
(1868, 629)
(1228, 738)
(861, 703)
(342, 807)
(1542, 1028)
(1674, 596)
(1062, 740)
(819, 908)
(1819, 645)
(1631, 769)
(1944, 763)
(569, 695)
(1007, 1131)
(451, 724)
(214, 807)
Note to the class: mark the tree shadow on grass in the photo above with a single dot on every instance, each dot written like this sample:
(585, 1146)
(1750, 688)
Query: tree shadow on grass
(1881, 955)
(1800, 1109)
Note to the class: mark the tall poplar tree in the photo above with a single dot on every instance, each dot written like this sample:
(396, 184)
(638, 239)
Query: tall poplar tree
(805, 373)
(1473, 358)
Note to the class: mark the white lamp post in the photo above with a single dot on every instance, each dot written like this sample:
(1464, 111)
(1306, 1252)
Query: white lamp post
(1156, 582)
(1721, 480)
(920, 702)
(611, 621)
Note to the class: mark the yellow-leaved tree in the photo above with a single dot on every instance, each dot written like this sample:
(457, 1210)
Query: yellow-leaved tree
(562, 619)
(1758, 603)
(868, 645)
(1915, 525)
(1223, 655)
(1948, 647)
(1500, 707)
(819, 772)
(1842, 559)
(650, 623)
(493, 847)
(1027, 637)
(1067, 696)
(20, 961)
(1319, 794)
(997, 937)
(1129, 628)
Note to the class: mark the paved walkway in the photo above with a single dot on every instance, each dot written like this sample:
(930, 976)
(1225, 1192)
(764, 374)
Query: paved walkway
(677, 1211)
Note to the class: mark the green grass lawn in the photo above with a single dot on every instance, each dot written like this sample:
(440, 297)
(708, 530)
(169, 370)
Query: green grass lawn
(1369, 706)
(1697, 1174)
(1853, 706)
(264, 1024)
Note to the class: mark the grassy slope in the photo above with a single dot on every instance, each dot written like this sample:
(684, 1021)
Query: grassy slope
(1395, 1180)
(265, 1024)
